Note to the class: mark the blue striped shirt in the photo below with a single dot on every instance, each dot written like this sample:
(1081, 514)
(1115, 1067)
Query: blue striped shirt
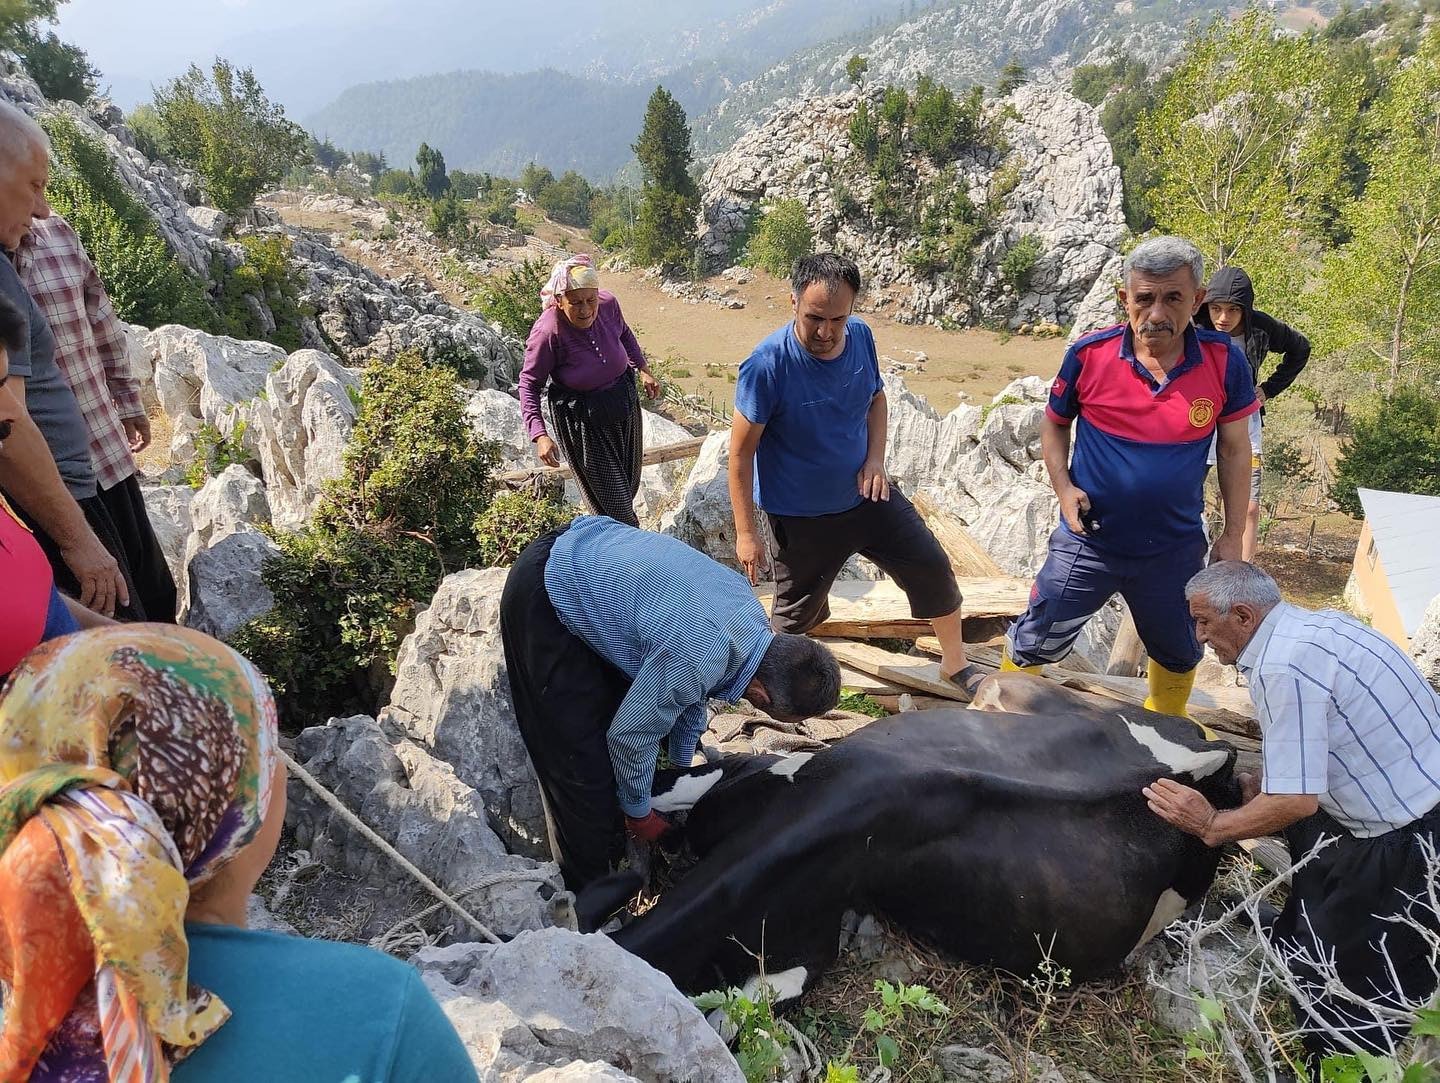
(1346, 717)
(683, 627)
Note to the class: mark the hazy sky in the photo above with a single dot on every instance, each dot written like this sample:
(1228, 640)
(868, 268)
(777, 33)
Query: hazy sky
(306, 51)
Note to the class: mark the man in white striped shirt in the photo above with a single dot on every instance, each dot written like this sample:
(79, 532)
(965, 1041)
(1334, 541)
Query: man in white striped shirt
(1351, 751)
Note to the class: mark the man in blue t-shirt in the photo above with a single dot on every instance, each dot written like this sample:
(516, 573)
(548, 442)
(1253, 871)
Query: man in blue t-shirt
(808, 441)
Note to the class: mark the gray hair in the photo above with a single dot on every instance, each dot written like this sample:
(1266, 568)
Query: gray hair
(800, 676)
(19, 135)
(1228, 583)
(1161, 256)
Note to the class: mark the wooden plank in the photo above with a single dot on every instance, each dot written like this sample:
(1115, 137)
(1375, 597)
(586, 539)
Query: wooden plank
(899, 669)
(1128, 652)
(988, 653)
(878, 608)
(918, 702)
(1269, 853)
(683, 449)
(856, 681)
(967, 556)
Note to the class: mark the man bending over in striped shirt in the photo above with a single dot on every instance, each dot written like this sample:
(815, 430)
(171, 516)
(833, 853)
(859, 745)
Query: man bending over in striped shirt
(1352, 752)
(615, 638)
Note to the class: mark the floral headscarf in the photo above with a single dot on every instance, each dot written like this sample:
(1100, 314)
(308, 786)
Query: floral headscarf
(572, 273)
(135, 761)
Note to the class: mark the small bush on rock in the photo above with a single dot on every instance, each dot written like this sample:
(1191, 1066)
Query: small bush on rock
(266, 273)
(512, 299)
(515, 519)
(782, 236)
(401, 517)
(1018, 264)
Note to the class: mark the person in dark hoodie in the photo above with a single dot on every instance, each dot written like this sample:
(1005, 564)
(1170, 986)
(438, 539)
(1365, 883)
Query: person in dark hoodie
(1230, 308)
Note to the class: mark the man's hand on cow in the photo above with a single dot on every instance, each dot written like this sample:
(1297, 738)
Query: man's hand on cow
(1181, 806)
(751, 555)
(137, 433)
(1074, 506)
(1228, 546)
(650, 828)
(1249, 786)
(872, 482)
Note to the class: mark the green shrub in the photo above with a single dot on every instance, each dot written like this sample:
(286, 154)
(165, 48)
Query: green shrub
(1396, 447)
(145, 283)
(223, 126)
(512, 299)
(864, 132)
(1018, 264)
(446, 351)
(781, 237)
(268, 273)
(214, 452)
(515, 519)
(401, 516)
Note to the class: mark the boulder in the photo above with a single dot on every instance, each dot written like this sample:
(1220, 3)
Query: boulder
(1425, 643)
(553, 997)
(223, 583)
(452, 696)
(303, 424)
(168, 507)
(201, 379)
(142, 365)
(701, 516)
(415, 802)
(208, 220)
(231, 500)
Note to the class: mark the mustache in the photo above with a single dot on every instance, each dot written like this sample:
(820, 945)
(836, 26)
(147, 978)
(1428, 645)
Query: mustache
(1151, 326)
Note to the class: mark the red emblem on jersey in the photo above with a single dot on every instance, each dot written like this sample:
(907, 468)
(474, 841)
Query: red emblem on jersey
(1058, 387)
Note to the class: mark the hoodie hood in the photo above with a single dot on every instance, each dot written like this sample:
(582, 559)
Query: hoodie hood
(1230, 285)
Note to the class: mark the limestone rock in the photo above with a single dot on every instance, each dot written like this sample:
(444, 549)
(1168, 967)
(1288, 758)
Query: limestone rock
(1425, 643)
(231, 500)
(702, 515)
(452, 696)
(142, 365)
(224, 585)
(303, 424)
(168, 507)
(1100, 308)
(552, 997)
(1066, 197)
(201, 379)
(208, 220)
(415, 802)
(962, 1064)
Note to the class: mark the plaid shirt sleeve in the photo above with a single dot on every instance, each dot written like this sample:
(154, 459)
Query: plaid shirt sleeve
(90, 343)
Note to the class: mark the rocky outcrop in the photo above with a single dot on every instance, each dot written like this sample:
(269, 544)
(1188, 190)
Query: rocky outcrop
(437, 822)
(223, 585)
(451, 695)
(1425, 643)
(532, 1008)
(1064, 193)
(168, 507)
(302, 425)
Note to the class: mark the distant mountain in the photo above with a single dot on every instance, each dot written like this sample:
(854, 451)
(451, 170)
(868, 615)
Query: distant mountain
(585, 115)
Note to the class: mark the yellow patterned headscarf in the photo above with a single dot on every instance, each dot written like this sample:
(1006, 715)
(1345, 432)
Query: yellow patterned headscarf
(135, 760)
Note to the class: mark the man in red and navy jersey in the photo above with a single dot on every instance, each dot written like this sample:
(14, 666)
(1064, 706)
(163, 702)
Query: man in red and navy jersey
(1144, 398)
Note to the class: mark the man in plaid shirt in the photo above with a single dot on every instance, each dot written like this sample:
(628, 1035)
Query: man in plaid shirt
(90, 349)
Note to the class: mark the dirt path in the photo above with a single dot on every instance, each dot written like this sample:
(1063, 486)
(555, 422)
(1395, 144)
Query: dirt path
(705, 344)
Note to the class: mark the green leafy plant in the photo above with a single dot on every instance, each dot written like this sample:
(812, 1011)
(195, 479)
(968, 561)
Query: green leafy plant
(860, 703)
(146, 284)
(214, 451)
(223, 126)
(879, 1023)
(512, 299)
(401, 516)
(514, 519)
(782, 236)
(1017, 265)
(759, 1041)
(267, 272)
(1395, 447)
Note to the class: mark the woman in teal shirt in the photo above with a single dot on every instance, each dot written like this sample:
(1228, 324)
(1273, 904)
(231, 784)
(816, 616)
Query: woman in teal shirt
(141, 796)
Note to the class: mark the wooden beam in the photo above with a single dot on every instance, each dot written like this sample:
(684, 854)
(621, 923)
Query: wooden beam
(684, 449)
(1128, 652)
(878, 608)
(901, 669)
(858, 681)
(967, 556)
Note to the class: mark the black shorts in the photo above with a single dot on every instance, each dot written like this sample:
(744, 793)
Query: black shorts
(813, 549)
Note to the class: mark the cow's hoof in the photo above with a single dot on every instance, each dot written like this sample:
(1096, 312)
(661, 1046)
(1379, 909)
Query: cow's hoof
(596, 902)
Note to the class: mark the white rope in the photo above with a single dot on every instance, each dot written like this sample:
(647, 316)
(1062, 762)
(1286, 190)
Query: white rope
(386, 849)
(507, 876)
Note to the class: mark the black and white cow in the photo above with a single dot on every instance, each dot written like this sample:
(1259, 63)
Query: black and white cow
(996, 837)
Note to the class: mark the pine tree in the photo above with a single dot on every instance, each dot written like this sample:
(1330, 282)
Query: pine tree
(665, 230)
(433, 180)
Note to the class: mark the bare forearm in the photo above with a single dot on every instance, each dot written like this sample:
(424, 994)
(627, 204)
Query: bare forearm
(877, 424)
(29, 475)
(1055, 448)
(741, 479)
(1233, 467)
(86, 618)
(1266, 814)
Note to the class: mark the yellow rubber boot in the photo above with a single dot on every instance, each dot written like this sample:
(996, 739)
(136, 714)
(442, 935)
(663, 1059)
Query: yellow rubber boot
(1169, 691)
(1008, 665)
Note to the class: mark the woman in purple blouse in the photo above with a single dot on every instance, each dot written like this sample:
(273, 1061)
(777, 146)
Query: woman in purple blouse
(582, 346)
